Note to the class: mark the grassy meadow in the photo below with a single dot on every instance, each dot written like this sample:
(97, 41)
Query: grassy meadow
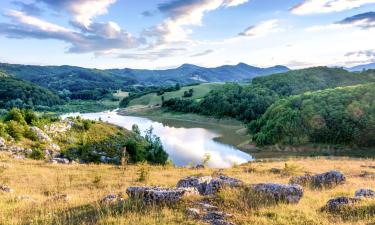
(86, 185)
(199, 92)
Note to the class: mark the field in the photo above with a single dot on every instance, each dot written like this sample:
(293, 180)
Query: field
(86, 185)
(153, 99)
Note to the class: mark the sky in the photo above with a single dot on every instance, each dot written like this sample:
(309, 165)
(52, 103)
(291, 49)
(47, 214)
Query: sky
(158, 34)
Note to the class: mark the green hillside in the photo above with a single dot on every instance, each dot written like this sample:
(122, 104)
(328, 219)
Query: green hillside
(199, 92)
(249, 102)
(18, 93)
(345, 115)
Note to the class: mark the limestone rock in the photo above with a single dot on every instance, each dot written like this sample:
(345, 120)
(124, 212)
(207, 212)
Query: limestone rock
(60, 161)
(193, 213)
(111, 198)
(2, 143)
(40, 134)
(60, 197)
(365, 193)
(208, 185)
(280, 192)
(160, 195)
(339, 202)
(328, 179)
(6, 189)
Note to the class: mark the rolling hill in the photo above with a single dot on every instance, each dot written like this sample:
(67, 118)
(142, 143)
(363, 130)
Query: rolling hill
(18, 93)
(58, 78)
(362, 67)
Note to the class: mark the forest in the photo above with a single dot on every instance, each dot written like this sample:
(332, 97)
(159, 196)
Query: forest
(248, 102)
(344, 115)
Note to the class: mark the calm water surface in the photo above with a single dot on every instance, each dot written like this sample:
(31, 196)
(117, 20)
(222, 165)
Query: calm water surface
(184, 145)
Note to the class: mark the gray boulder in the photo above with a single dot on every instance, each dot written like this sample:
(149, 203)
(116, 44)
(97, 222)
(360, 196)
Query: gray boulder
(328, 179)
(160, 195)
(208, 185)
(193, 213)
(60, 161)
(338, 203)
(6, 189)
(111, 198)
(280, 192)
(2, 143)
(365, 193)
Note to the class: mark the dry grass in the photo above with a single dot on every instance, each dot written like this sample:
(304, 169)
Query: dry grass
(87, 184)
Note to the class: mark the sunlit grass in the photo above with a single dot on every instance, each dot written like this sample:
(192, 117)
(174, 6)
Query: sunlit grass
(87, 184)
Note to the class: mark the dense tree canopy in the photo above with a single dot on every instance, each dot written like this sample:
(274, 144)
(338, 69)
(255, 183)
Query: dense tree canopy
(249, 102)
(345, 115)
(18, 93)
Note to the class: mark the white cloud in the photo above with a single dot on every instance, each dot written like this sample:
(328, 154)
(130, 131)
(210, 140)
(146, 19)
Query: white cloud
(82, 11)
(262, 29)
(327, 6)
(102, 38)
(182, 14)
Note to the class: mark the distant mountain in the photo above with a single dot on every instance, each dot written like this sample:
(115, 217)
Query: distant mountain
(74, 79)
(362, 67)
(188, 73)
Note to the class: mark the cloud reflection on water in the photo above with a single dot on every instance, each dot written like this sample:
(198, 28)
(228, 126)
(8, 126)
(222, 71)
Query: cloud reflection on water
(184, 145)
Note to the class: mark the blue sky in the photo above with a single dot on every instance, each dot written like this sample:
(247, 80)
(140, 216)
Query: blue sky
(167, 33)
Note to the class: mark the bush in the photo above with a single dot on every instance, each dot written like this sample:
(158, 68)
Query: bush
(37, 154)
(3, 129)
(15, 130)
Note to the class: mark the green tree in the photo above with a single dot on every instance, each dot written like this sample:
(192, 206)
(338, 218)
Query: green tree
(15, 129)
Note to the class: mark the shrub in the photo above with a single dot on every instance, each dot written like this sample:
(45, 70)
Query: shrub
(37, 154)
(15, 130)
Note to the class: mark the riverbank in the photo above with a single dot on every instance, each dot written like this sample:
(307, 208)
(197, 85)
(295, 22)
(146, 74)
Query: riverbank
(38, 185)
(233, 132)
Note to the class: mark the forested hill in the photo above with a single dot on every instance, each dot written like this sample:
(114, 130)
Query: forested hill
(71, 78)
(249, 102)
(344, 115)
(18, 93)
(311, 79)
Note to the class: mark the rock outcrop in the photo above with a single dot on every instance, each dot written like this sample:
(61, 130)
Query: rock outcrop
(364, 193)
(328, 179)
(40, 134)
(280, 192)
(60, 161)
(338, 203)
(160, 195)
(208, 185)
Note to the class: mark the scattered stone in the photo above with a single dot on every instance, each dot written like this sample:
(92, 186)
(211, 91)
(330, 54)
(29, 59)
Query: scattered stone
(216, 215)
(160, 195)
(328, 179)
(275, 170)
(40, 134)
(208, 185)
(221, 222)
(6, 189)
(60, 197)
(338, 203)
(111, 198)
(280, 192)
(193, 213)
(365, 193)
(60, 161)
(206, 206)
(25, 198)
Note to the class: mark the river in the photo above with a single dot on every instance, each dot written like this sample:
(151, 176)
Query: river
(185, 145)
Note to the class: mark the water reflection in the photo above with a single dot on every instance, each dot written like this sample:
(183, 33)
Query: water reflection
(184, 145)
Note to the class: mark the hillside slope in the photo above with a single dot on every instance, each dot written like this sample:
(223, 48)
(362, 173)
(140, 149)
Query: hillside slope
(71, 78)
(18, 93)
(344, 115)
